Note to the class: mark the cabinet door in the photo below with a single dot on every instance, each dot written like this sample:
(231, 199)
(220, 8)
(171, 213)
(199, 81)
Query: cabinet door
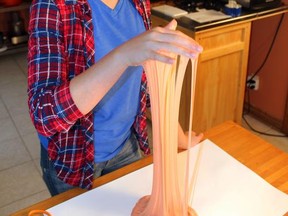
(221, 76)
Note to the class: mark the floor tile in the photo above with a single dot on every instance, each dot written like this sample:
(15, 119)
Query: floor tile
(17, 104)
(20, 182)
(10, 71)
(7, 130)
(23, 123)
(254, 123)
(21, 61)
(37, 164)
(23, 203)
(32, 143)
(13, 89)
(3, 111)
(279, 142)
(12, 153)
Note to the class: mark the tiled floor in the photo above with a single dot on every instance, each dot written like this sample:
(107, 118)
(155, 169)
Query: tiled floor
(20, 178)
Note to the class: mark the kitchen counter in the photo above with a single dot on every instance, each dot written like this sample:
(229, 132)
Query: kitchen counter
(245, 15)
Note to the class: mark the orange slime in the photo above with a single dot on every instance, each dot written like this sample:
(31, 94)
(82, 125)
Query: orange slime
(171, 184)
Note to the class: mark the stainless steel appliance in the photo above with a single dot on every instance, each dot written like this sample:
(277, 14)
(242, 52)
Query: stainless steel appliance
(259, 4)
(18, 34)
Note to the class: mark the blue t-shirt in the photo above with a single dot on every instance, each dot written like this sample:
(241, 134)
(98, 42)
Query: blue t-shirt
(115, 113)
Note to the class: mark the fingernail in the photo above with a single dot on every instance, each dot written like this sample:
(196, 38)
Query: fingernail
(199, 48)
(171, 61)
(193, 55)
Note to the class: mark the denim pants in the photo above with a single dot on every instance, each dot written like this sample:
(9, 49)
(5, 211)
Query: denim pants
(127, 155)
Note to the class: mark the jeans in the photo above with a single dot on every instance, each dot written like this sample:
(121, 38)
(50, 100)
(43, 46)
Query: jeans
(127, 155)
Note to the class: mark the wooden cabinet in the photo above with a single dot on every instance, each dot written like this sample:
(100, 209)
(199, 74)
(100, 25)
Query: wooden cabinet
(221, 76)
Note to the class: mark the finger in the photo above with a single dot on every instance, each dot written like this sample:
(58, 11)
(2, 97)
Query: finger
(161, 48)
(199, 137)
(172, 25)
(163, 57)
(175, 41)
(174, 36)
(196, 139)
(192, 133)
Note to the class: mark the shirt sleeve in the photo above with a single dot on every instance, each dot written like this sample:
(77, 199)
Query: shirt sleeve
(51, 106)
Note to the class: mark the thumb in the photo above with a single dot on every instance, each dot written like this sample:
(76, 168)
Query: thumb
(172, 25)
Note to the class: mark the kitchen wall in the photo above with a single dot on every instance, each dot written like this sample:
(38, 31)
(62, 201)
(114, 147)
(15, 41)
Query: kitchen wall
(270, 100)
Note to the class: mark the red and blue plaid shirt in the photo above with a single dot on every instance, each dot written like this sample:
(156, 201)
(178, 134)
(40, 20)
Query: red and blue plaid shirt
(61, 46)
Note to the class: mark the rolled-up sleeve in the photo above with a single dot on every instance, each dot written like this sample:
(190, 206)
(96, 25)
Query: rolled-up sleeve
(51, 106)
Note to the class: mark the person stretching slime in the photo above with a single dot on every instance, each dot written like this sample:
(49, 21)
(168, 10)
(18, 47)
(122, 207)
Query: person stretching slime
(87, 91)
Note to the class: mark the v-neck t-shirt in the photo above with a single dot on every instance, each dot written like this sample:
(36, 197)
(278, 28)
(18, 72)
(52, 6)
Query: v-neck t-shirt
(115, 113)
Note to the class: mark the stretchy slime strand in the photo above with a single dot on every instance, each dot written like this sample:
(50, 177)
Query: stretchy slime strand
(172, 188)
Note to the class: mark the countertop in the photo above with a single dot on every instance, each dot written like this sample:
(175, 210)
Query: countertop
(245, 15)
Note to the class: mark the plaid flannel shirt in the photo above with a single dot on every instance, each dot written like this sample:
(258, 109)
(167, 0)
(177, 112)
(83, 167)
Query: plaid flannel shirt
(61, 46)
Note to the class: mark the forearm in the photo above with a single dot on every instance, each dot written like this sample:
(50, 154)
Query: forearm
(151, 45)
(88, 88)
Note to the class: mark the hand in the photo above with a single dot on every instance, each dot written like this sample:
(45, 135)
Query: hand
(183, 139)
(156, 44)
(195, 139)
(88, 88)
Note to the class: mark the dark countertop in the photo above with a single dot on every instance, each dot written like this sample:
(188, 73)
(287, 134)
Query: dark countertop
(245, 15)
